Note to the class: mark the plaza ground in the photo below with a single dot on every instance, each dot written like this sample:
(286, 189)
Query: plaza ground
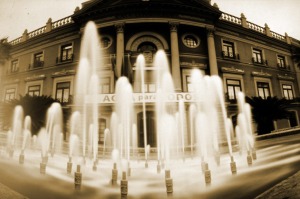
(274, 175)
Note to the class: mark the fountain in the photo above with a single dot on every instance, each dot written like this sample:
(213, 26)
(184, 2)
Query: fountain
(197, 138)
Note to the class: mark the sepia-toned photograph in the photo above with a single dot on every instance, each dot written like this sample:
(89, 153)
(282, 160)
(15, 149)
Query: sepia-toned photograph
(149, 99)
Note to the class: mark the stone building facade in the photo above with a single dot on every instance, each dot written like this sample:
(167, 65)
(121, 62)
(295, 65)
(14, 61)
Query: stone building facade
(193, 33)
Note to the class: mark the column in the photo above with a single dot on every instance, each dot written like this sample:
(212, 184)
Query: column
(212, 52)
(120, 48)
(175, 57)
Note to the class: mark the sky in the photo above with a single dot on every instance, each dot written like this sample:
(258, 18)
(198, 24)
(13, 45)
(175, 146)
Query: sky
(18, 15)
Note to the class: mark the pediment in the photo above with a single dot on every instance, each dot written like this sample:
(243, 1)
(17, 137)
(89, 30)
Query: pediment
(122, 9)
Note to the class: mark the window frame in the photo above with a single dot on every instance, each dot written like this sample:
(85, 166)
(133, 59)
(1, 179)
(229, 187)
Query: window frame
(35, 83)
(63, 91)
(14, 67)
(11, 86)
(266, 80)
(257, 51)
(229, 76)
(198, 41)
(38, 63)
(60, 80)
(288, 83)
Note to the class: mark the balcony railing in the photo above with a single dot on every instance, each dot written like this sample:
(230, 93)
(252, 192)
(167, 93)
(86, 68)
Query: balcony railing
(36, 64)
(66, 58)
(260, 62)
(230, 55)
(283, 66)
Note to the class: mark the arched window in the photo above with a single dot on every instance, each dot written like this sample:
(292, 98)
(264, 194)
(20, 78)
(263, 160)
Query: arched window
(147, 49)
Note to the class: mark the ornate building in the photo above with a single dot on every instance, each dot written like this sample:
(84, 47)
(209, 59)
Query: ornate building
(193, 33)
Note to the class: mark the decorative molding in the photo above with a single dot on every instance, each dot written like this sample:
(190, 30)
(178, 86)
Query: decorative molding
(232, 70)
(193, 64)
(35, 77)
(120, 27)
(63, 73)
(261, 74)
(285, 77)
(151, 39)
(173, 26)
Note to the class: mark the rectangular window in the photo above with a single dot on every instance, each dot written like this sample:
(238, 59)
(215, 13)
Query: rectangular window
(66, 53)
(263, 89)
(104, 86)
(228, 50)
(10, 94)
(189, 84)
(34, 90)
(281, 61)
(38, 60)
(63, 92)
(14, 67)
(287, 91)
(257, 56)
(233, 87)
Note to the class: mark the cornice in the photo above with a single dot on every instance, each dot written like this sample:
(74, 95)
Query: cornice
(232, 70)
(35, 77)
(261, 74)
(285, 77)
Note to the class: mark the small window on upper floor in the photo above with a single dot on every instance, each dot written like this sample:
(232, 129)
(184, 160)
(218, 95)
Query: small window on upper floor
(38, 60)
(228, 50)
(257, 57)
(281, 62)
(191, 40)
(14, 67)
(66, 53)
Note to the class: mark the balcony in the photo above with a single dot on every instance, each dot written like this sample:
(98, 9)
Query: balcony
(230, 55)
(283, 66)
(261, 62)
(36, 64)
(65, 59)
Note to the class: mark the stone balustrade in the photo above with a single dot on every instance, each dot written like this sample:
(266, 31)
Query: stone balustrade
(16, 41)
(255, 27)
(62, 22)
(263, 30)
(37, 32)
(225, 17)
(49, 26)
(277, 36)
(231, 18)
